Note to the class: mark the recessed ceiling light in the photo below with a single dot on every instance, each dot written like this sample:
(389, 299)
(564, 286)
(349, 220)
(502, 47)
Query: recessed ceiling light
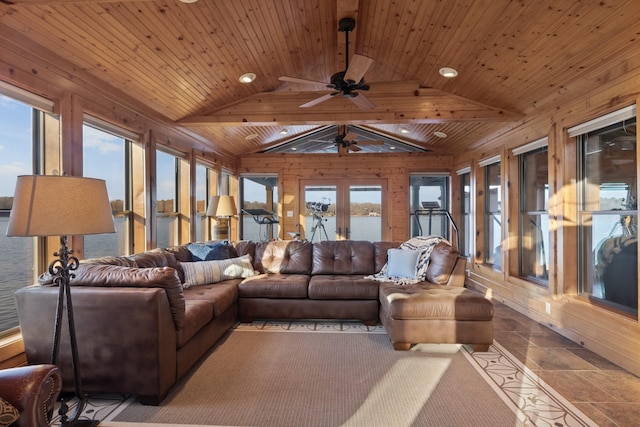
(247, 77)
(440, 134)
(404, 130)
(284, 131)
(251, 136)
(293, 148)
(392, 148)
(448, 72)
(188, 1)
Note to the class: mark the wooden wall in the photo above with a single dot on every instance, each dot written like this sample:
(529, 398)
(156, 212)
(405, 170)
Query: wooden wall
(394, 168)
(615, 336)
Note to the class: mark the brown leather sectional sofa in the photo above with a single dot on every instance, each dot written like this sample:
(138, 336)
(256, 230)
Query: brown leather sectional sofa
(139, 330)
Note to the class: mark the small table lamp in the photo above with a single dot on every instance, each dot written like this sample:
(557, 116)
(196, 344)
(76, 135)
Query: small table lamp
(222, 207)
(45, 205)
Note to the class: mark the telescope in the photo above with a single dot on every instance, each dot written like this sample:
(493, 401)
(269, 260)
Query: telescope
(317, 206)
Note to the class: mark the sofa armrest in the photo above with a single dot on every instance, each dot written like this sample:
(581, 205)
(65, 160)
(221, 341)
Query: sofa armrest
(126, 337)
(33, 391)
(458, 274)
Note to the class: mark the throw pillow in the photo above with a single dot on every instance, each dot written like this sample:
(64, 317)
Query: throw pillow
(8, 413)
(208, 252)
(402, 263)
(207, 272)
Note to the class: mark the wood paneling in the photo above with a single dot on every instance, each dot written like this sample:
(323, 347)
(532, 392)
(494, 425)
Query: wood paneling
(181, 62)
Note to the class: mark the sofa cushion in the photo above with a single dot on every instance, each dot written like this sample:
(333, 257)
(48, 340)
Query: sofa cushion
(117, 276)
(402, 263)
(283, 256)
(380, 250)
(155, 258)
(443, 260)
(122, 261)
(221, 296)
(274, 286)
(208, 272)
(245, 247)
(197, 314)
(343, 257)
(208, 252)
(342, 287)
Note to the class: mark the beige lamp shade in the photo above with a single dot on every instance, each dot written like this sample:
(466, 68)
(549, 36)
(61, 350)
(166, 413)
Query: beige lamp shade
(213, 205)
(226, 207)
(47, 205)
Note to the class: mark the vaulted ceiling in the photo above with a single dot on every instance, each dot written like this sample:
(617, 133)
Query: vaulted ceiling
(183, 61)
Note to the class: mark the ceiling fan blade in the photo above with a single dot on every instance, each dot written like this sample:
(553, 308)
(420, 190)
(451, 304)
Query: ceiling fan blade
(317, 101)
(353, 147)
(301, 81)
(349, 137)
(363, 102)
(371, 142)
(357, 68)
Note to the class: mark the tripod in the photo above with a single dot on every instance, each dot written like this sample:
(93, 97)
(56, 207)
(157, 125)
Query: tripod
(318, 224)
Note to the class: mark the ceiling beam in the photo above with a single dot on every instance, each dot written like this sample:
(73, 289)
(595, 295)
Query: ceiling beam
(420, 106)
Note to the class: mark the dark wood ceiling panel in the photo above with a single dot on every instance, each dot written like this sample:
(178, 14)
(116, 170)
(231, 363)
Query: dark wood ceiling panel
(183, 61)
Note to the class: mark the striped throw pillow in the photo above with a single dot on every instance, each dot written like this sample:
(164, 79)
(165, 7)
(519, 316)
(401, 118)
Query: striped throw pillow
(207, 272)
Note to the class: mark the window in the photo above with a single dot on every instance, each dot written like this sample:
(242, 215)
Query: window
(202, 198)
(429, 199)
(167, 217)
(607, 212)
(465, 213)
(492, 215)
(259, 203)
(21, 140)
(533, 244)
(106, 156)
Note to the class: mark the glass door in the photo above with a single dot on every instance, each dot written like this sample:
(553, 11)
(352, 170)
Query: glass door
(338, 210)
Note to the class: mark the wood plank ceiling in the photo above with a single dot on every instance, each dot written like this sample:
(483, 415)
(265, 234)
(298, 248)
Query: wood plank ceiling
(182, 61)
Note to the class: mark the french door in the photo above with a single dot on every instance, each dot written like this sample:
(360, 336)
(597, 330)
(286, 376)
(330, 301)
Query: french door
(335, 209)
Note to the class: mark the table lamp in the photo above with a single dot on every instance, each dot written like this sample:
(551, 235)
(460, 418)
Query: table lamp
(225, 207)
(46, 205)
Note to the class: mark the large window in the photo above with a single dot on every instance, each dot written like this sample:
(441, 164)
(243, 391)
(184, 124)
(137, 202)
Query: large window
(21, 137)
(533, 244)
(259, 201)
(492, 216)
(167, 216)
(608, 233)
(105, 156)
(429, 199)
(465, 212)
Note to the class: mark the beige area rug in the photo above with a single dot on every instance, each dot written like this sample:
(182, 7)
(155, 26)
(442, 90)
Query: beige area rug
(349, 375)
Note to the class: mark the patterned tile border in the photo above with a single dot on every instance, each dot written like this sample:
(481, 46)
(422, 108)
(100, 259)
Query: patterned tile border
(533, 401)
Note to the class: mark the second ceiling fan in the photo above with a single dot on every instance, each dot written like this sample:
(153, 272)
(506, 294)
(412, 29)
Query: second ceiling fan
(349, 82)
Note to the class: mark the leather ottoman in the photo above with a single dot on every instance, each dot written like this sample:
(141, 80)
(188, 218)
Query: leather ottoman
(426, 313)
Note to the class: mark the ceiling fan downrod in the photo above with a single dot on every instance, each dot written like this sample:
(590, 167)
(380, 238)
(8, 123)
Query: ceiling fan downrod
(346, 25)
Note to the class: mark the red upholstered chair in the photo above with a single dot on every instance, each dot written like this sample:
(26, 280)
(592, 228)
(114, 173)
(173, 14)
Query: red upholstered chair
(33, 391)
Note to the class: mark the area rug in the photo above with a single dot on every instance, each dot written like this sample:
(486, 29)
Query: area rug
(288, 374)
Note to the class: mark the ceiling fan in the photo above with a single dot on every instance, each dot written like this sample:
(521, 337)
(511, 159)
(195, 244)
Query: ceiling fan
(346, 140)
(349, 82)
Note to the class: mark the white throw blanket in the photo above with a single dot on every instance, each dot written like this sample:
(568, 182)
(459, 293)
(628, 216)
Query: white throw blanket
(425, 245)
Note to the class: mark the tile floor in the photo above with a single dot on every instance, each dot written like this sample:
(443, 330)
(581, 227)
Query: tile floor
(606, 393)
